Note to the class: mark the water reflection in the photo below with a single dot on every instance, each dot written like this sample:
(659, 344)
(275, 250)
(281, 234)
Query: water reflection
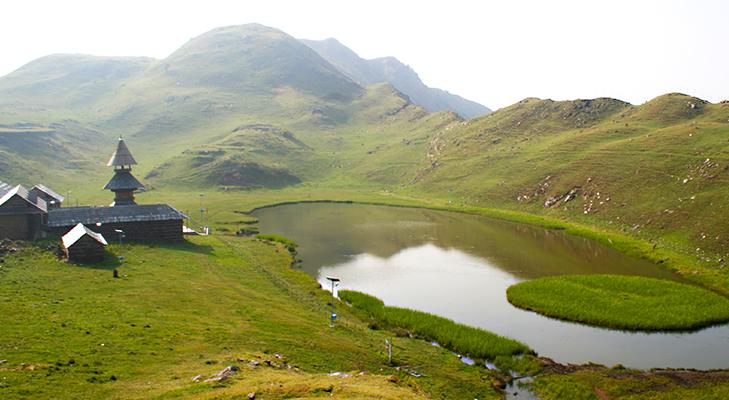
(459, 266)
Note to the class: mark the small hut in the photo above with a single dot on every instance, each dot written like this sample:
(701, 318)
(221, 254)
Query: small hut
(82, 245)
(22, 214)
(51, 198)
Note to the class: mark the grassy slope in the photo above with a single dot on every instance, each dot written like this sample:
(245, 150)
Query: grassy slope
(658, 172)
(621, 302)
(597, 383)
(194, 308)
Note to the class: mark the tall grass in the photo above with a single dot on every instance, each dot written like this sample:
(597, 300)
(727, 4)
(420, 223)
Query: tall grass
(473, 342)
(290, 244)
(622, 302)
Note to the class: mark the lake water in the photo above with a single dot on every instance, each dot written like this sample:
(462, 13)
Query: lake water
(459, 266)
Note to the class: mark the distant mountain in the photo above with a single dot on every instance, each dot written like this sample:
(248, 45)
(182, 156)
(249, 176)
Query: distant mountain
(402, 77)
(243, 106)
(252, 57)
(69, 80)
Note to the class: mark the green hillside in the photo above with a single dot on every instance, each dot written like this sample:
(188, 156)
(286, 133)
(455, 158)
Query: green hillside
(658, 171)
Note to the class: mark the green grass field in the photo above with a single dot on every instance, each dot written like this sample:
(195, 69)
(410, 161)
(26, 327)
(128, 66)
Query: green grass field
(621, 302)
(599, 383)
(191, 309)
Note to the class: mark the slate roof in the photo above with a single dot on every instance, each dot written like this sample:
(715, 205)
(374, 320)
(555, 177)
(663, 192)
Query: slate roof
(32, 199)
(121, 156)
(45, 189)
(78, 232)
(123, 180)
(61, 217)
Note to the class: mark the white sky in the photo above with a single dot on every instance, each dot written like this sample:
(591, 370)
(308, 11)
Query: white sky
(493, 52)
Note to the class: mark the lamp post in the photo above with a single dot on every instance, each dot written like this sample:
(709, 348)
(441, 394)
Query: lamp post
(202, 212)
(121, 235)
(335, 282)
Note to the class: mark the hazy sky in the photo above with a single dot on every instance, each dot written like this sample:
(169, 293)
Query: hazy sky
(493, 52)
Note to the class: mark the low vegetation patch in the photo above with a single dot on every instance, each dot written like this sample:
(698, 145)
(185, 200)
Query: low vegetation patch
(473, 342)
(621, 302)
(290, 244)
(596, 383)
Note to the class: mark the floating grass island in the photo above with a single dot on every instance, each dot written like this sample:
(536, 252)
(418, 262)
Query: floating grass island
(621, 302)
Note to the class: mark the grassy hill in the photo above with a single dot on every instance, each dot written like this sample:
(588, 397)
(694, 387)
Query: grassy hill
(197, 98)
(658, 171)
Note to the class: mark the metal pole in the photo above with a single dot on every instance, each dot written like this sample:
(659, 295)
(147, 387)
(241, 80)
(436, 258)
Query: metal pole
(333, 315)
(202, 210)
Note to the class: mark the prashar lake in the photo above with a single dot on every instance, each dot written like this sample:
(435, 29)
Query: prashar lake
(459, 266)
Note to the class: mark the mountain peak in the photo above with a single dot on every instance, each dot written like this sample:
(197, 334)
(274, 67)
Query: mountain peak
(670, 108)
(255, 57)
(399, 75)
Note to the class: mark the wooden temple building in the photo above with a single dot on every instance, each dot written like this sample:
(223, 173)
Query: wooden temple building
(31, 214)
(138, 222)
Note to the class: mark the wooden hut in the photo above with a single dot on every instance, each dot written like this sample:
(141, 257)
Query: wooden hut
(82, 245)
(52, 199)
(22, 214)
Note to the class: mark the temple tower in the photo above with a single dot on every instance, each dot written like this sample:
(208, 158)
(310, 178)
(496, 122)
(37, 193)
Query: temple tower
(123, 183)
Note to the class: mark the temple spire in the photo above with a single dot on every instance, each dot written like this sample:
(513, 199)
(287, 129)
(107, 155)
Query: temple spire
(123, 183)
(121, 157)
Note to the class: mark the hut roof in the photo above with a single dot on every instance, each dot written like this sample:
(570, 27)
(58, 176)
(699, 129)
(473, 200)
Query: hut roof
(32, 199)
(45, 189)
(121, 156)
(123, 180)
(78, 232)
(60, 217)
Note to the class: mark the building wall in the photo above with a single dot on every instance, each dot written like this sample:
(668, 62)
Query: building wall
(20, 221)
(14, 227)
(86, 250)
(144, 231)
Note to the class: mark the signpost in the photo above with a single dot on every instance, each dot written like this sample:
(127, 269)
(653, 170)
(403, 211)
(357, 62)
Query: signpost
(335, 283)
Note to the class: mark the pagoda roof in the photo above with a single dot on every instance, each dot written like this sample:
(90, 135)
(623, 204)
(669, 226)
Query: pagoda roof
(121, 156)
(123, 180)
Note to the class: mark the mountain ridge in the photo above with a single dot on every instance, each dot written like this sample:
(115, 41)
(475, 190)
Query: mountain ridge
(391, 70)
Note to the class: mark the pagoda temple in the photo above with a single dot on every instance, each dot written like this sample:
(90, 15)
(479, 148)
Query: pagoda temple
(137, 222)
(123, 183)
